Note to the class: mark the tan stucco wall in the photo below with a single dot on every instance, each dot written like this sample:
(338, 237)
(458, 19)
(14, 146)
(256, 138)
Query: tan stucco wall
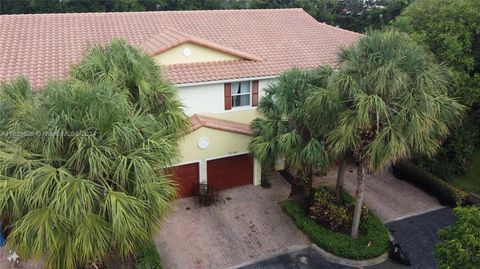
(199, 54)
(243, 116)
(221, 144)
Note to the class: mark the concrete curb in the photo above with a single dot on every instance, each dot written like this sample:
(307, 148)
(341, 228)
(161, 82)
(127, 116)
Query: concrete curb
(276, 254)
(325, 254)
(416, 213)
(348, 262)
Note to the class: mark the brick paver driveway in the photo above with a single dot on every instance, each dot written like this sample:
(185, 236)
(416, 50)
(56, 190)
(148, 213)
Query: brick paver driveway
(387, 196)
(246, 224)
(24, 264)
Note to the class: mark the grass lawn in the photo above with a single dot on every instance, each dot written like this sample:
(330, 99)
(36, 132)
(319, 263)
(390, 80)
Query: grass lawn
(470, 181)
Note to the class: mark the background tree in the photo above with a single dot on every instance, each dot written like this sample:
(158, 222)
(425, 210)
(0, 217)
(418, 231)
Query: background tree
(355, 15)
(82, 164)
(460, 247)
(360, 15)
(284, 132)
(395, 103)
(451, 30)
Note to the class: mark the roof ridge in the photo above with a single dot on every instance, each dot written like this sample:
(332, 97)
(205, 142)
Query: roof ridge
(150, 12)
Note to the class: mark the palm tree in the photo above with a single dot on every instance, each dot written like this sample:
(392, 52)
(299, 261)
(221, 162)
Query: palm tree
(393, 102)
(82, 164)
(284, 132)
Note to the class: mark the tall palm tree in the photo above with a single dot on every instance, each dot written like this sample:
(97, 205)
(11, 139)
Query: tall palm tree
(81, 166)
(393, 102)
(284, 132)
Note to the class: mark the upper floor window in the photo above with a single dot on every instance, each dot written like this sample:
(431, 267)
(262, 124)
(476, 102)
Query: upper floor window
(241, 92)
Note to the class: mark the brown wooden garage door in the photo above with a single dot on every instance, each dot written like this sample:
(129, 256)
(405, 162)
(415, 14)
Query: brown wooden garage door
(187, 177)
(230, 172)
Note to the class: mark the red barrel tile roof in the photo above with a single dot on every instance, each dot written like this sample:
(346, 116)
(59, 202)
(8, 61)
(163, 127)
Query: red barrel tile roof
(44, 46)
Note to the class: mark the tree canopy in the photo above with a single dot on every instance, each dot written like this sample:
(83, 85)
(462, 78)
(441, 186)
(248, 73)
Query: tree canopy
(392, 101)
(392, 97)
(82, 162)
(283, 130)
(451, 30)
(460, 247)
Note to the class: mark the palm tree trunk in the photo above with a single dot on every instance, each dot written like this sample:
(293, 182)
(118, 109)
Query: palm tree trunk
(294, 180)
(308, 190)
(340, 180)
(359, 196)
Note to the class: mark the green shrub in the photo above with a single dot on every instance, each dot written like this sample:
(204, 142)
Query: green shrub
(446, 193)
(326, 212)
(461, 241)
(373, 244)
(148, 258)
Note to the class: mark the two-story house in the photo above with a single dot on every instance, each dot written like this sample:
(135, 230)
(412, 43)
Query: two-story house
(221, 61)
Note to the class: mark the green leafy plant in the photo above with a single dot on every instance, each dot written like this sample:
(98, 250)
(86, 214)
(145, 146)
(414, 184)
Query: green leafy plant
(284, 132)
(460, 247)
(373, 243)
(450, 30)
(147, 257)
(81, 166)
(392, 101)
(338, 218)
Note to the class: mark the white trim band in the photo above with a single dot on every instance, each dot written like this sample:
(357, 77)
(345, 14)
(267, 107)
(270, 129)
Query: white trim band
(183, 85)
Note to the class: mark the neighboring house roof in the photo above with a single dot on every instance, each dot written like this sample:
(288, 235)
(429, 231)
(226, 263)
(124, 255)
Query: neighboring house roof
(199, 121)
(43, 46)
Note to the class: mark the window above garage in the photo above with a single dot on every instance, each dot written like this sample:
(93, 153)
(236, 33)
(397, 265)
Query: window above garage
(241, 94)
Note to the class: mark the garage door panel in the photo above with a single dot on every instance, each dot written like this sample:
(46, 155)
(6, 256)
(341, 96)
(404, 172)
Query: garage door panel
(230, 172)
(186, 176)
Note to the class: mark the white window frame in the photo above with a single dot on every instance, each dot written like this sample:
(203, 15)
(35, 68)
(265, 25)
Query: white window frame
(241, 94)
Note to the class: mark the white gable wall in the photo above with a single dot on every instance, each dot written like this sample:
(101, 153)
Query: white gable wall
(209, 98)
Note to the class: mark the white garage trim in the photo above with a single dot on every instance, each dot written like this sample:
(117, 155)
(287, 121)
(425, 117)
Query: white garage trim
(228, 155)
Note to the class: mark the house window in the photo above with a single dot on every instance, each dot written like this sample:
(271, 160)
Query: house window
(241, 94)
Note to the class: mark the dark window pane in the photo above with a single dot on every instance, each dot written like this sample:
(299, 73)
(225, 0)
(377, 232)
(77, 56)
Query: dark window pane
(240, 87)
(241, 100)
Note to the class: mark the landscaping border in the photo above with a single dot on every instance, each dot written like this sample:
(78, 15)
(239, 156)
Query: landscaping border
(349, 262)
(338, 243)
(442, 190)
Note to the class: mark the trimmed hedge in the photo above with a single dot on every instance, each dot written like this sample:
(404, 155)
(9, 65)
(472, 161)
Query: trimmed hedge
(371, 245)
(445, 193)
(148, 258)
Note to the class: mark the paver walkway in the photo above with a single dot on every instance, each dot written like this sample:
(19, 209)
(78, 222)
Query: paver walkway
(247, 224)
(5, 264)
(387, 196)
